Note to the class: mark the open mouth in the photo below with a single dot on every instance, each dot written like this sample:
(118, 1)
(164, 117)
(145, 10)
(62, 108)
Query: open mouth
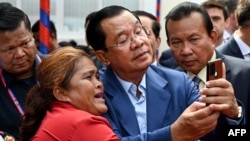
(99, 95)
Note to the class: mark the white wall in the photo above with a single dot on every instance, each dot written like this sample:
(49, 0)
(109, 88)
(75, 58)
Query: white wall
(148, 5)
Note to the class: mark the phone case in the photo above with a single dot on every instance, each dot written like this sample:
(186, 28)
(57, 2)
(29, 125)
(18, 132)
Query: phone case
(214, 69)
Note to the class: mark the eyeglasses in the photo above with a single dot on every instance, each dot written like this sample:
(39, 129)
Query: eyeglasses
(140, 31)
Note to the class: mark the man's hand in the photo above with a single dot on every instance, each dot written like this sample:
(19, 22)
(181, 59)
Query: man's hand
(219, 94)
(196, 121)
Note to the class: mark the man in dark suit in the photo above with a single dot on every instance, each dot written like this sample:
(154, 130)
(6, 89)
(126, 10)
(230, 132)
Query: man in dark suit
(18, 63)
(167, 59)
(231, 48)
(149, 20)
(239, 44)
(192, 39)
(149, 102)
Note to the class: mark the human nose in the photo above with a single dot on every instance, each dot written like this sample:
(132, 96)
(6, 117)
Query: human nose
(135, 40)
(98, 84)
(132, 38)
(186, 49)
(19, 51)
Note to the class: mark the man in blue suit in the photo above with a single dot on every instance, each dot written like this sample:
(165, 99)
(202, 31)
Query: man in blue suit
(148, 102)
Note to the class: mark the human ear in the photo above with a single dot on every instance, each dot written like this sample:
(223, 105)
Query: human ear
(60, 94)
(101, 55)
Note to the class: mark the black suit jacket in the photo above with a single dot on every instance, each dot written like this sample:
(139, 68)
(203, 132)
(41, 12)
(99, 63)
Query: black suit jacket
(238, 73)
(230, 48)
(167, 59)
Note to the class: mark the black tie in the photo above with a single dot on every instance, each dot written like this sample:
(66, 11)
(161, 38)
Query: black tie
(196, 81)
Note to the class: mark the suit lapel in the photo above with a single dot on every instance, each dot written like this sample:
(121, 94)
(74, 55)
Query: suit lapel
(235, 48)
(123, 107)
(157, 100)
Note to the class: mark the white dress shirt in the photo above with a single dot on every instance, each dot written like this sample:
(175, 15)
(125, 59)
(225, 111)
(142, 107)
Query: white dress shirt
(244, 48)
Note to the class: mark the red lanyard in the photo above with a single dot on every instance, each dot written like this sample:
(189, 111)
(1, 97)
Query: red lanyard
(11, 94)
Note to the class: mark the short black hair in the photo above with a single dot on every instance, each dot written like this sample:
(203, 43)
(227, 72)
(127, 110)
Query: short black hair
(35, 27)
(156, 27)
(89, 17)
(185, 9)
(95, 35)
(11, 18)
(5, 4)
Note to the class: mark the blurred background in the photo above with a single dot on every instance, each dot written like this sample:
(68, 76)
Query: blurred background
(69, 15)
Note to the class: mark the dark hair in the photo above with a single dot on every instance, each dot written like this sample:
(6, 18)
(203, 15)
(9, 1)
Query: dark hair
(5, 4)
(156, 27)
(11, 18)
(72, 43)
(35, 27)
(56, 69)
(95, 34)
(84, 48)
(185, 9)
(216, 4)
(243, 13)
(88, 18)
(231, 5)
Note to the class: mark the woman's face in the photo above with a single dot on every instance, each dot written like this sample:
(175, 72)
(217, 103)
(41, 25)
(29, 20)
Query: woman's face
(85, 90)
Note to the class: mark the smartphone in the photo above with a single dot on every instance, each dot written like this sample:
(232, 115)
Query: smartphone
(214, 69)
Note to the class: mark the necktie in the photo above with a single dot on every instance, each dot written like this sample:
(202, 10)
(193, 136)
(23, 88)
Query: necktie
(196, 81)
(138, 93)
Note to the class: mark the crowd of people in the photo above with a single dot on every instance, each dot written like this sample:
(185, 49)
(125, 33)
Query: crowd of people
(118, 86)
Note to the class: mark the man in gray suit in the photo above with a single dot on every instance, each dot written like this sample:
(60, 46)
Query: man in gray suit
(191, 39)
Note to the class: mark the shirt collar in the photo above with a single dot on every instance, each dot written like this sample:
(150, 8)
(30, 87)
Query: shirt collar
(126, 84)
(203, 73)
(244, 48)
(155, 63)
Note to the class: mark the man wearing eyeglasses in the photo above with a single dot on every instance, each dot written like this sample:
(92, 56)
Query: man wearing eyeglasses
(149, 20)
(148, 102)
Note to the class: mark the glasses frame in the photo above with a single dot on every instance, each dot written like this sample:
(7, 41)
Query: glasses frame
(144, 28)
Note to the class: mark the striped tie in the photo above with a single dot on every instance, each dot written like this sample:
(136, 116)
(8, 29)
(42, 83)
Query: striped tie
(196, 81)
